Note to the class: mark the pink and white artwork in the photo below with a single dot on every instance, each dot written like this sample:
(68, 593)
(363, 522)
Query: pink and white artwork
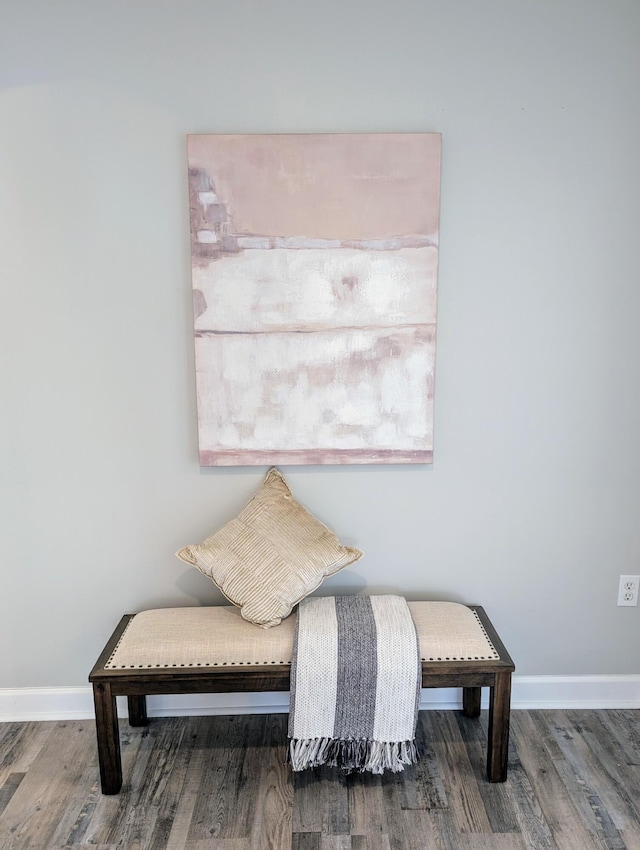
(314, 280)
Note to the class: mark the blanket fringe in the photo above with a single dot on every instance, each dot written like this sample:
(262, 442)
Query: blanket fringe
(352, 755)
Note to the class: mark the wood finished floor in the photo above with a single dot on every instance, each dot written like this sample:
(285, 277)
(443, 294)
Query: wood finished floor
(220, 783)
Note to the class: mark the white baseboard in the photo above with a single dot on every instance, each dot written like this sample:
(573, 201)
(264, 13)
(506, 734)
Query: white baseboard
(26, 704)
(576, 691)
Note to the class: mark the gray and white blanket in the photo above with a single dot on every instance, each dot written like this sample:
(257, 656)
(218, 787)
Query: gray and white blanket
(355, 684)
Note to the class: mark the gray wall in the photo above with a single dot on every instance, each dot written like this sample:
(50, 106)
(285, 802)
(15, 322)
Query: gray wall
(532, 505)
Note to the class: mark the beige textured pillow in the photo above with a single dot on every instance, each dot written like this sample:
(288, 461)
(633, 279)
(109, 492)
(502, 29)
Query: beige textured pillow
(272, 555)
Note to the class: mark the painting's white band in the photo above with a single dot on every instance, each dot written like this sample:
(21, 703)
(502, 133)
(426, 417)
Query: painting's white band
(206, 237)
(394, 243)
(207, 198)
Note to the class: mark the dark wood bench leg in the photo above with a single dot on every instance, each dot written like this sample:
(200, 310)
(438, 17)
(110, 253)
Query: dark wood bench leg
(108, 738)
(471, 702)
(499, 714)
(137, 710)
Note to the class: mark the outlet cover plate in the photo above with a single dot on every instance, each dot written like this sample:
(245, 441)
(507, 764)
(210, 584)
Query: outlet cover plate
(628, 590)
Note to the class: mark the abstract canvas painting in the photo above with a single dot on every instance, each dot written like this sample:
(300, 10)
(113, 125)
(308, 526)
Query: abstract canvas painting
(314, 262)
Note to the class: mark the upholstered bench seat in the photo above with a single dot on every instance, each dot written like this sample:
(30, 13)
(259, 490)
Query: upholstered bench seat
(220, 637)
(214, 650)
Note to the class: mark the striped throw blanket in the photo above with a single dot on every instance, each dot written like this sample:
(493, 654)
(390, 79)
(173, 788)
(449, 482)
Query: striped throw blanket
(355, 684)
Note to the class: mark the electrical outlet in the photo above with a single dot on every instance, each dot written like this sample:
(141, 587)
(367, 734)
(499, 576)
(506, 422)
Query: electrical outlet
(628, 590)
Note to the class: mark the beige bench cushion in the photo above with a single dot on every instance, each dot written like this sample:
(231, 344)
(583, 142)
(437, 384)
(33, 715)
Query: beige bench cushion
(220, 637)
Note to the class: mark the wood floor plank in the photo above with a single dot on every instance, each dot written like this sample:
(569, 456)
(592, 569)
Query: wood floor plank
(305, 841)
(624, 773)
(460, 781)
(335, 797)
(527, 810)
(106, 819)
(73, 824)
(93, 847)
(307, 803)
(32, 815)
(159, 748)
(371, 841)
(321, 801)
(578, 776)
(189, 780)
(492, 841)
(254, 802)
(170, 807)
(74, 818)
(421, 785)
(497, 797)
(540, 757)
(366, 804)
(93, 818)
(9, 788)
(20, 744)
(222, 806)
(623, 727)
(415, 829)
(215, 844)
(272, 809)
(596, 783)
(335, 842)
(206, 783)
(107, 816)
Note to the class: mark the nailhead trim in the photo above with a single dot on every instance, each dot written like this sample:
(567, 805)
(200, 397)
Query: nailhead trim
(493, 656)
(115, 666)
(194, 664)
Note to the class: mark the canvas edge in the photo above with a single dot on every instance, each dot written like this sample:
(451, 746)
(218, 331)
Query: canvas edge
(312, 457)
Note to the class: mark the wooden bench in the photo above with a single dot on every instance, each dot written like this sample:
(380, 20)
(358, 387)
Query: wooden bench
(213, 650)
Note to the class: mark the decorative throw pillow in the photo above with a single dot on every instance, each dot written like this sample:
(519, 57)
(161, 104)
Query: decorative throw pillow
(272, 555)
